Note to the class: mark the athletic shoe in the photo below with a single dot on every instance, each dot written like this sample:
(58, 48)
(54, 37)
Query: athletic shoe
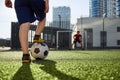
(83, 48)
(38, 59)
(38, 41)
(26, 58)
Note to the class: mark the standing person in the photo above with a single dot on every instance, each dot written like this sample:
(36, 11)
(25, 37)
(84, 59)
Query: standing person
(77, 38)
(28, 11)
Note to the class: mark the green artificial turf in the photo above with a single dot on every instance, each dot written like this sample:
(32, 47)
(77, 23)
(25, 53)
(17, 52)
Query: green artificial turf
(62, 65)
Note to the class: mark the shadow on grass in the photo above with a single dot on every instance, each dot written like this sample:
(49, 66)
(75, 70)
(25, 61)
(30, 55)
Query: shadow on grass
(50, 67)
(24, 73)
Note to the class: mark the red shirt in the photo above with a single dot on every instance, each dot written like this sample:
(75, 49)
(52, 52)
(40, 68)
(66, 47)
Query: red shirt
(77, 36)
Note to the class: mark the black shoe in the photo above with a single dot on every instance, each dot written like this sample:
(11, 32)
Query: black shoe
(26, 58)
(38, 59)
(70, 49)
(83, 48)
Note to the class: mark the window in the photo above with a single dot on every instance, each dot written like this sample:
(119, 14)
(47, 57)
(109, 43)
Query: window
(45, 37)
(118, 42)
(49, 37)
(118, 29)
(103, 37)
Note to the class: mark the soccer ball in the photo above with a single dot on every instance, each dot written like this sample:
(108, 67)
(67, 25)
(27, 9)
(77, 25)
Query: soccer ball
(39, 50)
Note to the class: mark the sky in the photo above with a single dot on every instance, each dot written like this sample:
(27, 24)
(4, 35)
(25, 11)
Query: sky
(78, 8)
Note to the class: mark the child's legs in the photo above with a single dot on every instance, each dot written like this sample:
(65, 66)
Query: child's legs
(23, 36)
(74, 43)
(38, 6)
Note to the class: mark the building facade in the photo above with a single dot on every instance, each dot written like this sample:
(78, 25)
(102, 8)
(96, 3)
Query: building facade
(61, 17)
(100, 32)
(98, 8)
(118, 8)
(111, 8)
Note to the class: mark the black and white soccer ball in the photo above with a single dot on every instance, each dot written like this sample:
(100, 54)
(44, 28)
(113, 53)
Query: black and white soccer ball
(39, 50)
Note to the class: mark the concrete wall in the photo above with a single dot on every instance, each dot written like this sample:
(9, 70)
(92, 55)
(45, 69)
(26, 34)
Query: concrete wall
(96, 24)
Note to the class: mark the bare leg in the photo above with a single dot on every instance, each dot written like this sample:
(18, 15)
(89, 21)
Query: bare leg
(81, 45)
(72, 45)
(40, 26)
(23, 36)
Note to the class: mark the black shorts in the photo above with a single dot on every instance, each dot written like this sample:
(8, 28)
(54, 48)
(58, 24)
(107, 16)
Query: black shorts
(79, 41)
(30, 10)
